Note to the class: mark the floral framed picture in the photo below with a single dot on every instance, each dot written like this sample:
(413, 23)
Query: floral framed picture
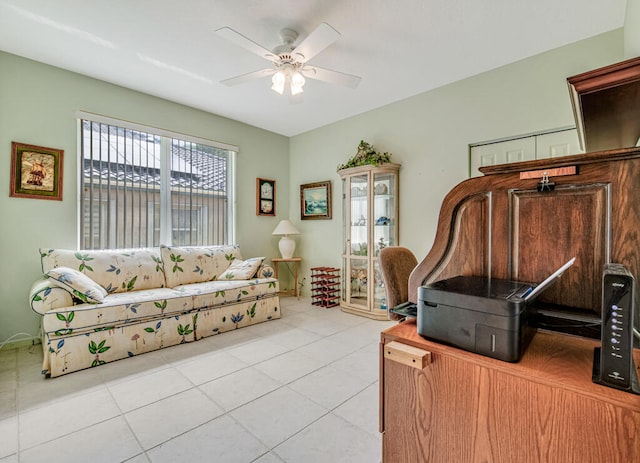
(36, 172)
(315, 200)
(265, 196)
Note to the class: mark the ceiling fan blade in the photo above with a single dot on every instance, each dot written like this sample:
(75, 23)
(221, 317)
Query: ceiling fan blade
(247, 77)
(245, 42)
(318, 40)
(333, 77)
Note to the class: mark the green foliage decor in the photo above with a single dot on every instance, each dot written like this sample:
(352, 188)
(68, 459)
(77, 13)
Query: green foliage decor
(366, 155)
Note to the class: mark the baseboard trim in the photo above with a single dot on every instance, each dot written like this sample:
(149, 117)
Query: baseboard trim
(20, 343)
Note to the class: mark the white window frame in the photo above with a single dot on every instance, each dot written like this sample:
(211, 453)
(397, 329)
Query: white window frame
(165, 189)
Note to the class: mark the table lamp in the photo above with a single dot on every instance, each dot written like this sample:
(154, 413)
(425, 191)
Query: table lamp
(287, 245)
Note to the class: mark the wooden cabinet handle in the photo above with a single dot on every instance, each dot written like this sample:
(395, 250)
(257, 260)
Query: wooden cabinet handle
(407, 355)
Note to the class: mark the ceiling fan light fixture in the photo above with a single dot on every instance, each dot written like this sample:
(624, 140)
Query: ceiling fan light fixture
(289, 61)
(278, 80)
(297, 82)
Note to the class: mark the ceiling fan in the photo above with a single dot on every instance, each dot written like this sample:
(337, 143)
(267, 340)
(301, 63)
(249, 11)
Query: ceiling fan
(290, 63)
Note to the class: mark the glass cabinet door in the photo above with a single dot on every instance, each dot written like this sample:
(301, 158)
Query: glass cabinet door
(384, 227)
(359, 215)
(357, 241)
(384, 211)
(359, 279)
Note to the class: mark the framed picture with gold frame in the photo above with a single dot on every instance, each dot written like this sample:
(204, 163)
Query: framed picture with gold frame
(265, 196)
(36, 172)
(315, 200)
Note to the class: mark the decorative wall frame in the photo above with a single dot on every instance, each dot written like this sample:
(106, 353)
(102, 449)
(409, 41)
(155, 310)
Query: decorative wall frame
(315, 200)
(265, 197)
(36, 172)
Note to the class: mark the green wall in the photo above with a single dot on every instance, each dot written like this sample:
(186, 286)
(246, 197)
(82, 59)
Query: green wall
(429, 134)
(38, 105)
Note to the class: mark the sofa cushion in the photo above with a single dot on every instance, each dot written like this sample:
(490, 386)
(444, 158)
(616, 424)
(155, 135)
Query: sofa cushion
(117, 309)
(241, 269)
(115, 270)
(220, 293)
(196, 264)
(80, 285)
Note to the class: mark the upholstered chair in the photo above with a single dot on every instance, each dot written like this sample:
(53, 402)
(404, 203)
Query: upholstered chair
(396, 264)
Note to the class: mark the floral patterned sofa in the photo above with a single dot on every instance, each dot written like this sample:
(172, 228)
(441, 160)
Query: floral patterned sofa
(101, 306)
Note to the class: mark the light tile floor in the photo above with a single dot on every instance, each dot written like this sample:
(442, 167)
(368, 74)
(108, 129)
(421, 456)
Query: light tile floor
(300, 389)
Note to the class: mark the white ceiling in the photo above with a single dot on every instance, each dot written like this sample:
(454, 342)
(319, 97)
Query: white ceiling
(169, 48)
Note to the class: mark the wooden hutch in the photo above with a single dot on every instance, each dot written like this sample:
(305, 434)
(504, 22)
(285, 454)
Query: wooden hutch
(441, 404)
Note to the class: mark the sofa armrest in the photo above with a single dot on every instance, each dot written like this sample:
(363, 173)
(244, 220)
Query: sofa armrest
(44, 296)
(265, 271)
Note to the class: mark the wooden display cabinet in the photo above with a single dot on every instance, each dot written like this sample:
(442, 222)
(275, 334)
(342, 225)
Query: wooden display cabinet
(370, 195)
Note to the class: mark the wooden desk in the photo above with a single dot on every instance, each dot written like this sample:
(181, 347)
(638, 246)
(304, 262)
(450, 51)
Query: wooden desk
(464, 407)
(296, 268)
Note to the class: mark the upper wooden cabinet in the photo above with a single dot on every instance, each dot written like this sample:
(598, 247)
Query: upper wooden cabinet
(606, 106)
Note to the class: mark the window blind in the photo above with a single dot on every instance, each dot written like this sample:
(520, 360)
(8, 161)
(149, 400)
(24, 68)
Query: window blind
(141, 189)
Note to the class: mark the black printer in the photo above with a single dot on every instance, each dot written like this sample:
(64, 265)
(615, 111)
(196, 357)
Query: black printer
(484, 315)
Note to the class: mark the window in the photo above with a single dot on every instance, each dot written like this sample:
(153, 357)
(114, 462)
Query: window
(141, 188)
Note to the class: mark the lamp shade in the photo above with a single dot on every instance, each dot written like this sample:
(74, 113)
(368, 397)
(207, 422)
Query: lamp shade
(297, 82)
(278, 81)
(285, 228)
(286, 245)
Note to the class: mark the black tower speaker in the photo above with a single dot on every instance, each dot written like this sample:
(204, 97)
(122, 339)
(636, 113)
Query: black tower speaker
(613, 364)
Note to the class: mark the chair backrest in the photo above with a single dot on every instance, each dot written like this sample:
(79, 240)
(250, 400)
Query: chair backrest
(396, 264)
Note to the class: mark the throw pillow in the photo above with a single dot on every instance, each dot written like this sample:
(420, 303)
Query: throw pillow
(241, 269)
(80, 285)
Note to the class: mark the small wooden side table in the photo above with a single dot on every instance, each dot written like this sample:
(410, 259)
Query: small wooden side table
(296, 268)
